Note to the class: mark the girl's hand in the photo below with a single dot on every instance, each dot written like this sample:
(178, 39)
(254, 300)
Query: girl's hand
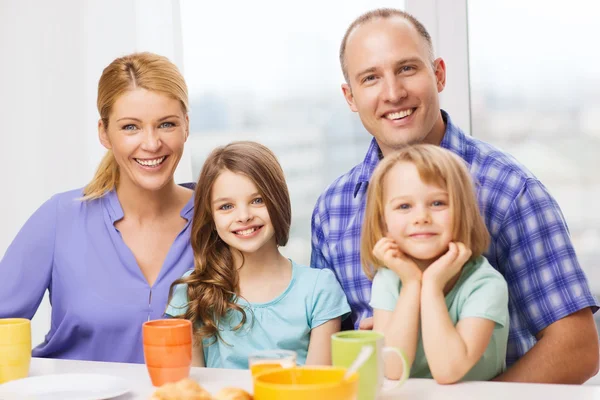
(387, 251)
(441, 271)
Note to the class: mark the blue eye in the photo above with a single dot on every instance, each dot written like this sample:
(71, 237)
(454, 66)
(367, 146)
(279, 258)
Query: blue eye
(258, 200)
(129, 127)
(167, 125)
(226, 207)
(438, 203)
(404, 206)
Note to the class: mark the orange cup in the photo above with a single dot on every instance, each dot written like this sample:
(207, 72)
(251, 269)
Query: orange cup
(167, 349)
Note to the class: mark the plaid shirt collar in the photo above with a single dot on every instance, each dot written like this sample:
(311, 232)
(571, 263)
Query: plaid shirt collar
(453, 140)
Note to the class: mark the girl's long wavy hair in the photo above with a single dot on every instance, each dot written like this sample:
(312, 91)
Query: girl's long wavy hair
(213, 286)
(438, 166)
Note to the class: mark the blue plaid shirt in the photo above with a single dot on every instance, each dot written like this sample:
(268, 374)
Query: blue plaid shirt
(530, 242)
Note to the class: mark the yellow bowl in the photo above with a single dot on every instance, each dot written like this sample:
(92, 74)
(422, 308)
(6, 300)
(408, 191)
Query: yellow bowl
(302, 383)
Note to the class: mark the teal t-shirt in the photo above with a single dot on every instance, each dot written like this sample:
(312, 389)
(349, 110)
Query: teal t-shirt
(480, 292)
(312, 298)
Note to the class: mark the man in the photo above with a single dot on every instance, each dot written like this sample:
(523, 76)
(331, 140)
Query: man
(393, 83)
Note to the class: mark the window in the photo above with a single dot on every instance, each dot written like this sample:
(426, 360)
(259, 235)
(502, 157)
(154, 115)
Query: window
(269, 71)
(534, 93)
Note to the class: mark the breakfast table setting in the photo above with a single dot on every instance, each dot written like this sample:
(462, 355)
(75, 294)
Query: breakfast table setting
(356, 374)
(137, 384)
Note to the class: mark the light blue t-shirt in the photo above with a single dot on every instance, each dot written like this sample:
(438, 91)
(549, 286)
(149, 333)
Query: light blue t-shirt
(312, 298)
(480, 292)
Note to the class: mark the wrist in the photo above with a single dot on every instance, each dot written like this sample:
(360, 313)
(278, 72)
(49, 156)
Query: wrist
(431, 286)
(412, 284)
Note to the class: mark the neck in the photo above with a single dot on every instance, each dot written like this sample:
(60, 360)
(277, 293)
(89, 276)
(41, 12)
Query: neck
(267, 261)
(144, 204)
(437, 132)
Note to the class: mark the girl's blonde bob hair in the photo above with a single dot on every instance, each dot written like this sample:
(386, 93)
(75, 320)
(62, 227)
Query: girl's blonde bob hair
(436, 166)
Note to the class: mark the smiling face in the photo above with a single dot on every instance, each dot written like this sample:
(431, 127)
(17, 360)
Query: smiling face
(392, 83)
(418, 215)
(146, 132)
(240, 214)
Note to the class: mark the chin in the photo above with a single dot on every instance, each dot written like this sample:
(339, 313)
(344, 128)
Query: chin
(153, 185)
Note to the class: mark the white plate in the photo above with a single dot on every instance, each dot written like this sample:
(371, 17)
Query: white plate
(64, 387)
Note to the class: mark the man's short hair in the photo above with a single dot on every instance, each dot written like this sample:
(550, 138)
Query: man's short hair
(383, 13)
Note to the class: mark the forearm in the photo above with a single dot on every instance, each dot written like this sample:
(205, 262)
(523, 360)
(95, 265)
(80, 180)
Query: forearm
(197, 355)
(568, 355)
(402, 329)
(445, 349)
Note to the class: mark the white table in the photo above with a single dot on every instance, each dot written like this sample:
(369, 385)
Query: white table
(413, 389)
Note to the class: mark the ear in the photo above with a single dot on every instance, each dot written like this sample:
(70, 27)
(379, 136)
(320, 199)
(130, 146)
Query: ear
(187, 127)
(440, 74)
(347, 90)
(103, 135)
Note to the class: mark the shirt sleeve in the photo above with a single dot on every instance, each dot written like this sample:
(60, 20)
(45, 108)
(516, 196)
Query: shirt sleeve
(536, 256)
(385, 290)
(26, 267)
(329, 300)
(178, 305)
(319, 257)
(487, 298)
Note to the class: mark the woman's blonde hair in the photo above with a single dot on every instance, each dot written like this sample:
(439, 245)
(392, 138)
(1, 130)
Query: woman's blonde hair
(139, 70)
(213, 286)
(435, 166)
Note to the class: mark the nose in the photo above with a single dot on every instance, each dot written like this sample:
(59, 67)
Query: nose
(393, 89)
(422, 216)
(244, 215)
(152, 142)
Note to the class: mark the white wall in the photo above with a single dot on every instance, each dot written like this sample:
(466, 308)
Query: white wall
(446, 22)
(53, 53)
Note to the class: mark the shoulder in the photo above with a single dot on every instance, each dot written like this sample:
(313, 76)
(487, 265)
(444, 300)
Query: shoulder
(63, 203)
(313, 281)
(490, 158)
(342, 186)
(306, 274)
(482, 273)
(492, 167)
(386, 278)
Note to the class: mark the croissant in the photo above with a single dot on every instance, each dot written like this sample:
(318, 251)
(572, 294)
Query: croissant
(232, 393)
(185, 389)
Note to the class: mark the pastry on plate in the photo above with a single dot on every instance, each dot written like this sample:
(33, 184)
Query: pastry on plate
(185, 389)
(232, 393)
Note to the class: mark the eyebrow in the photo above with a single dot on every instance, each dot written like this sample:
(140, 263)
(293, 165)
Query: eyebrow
(435, 194)
(396, 65)
(139, 120)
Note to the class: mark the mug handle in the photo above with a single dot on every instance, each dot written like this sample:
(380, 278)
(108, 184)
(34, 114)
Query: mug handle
(405, 367)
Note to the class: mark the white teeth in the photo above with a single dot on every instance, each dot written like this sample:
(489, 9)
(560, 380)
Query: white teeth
(399, 114)
(246, 231)
(150, 163)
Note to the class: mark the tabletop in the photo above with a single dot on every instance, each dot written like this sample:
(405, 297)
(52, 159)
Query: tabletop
(214, 379)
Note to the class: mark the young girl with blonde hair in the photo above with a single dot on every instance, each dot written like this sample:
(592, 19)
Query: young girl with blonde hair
(243, 295)
(434, 295)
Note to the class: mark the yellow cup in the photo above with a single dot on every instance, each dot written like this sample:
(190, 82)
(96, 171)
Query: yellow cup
(15, 348)
(301, 383)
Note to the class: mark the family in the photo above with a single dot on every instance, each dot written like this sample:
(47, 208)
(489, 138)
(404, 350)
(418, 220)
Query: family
(444, 243)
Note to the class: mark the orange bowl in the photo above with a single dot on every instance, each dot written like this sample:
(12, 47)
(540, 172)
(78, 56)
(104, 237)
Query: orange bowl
(301, 383)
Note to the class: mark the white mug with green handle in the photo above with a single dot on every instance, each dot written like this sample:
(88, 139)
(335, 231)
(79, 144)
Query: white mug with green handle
(346, 346)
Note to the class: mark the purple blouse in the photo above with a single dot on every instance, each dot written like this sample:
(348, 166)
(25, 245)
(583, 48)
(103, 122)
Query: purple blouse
(98, 293)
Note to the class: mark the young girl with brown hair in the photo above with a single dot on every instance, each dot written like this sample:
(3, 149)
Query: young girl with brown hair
(243, 294)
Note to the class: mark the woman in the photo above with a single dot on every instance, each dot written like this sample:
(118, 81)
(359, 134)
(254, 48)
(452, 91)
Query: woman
(108, 253)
